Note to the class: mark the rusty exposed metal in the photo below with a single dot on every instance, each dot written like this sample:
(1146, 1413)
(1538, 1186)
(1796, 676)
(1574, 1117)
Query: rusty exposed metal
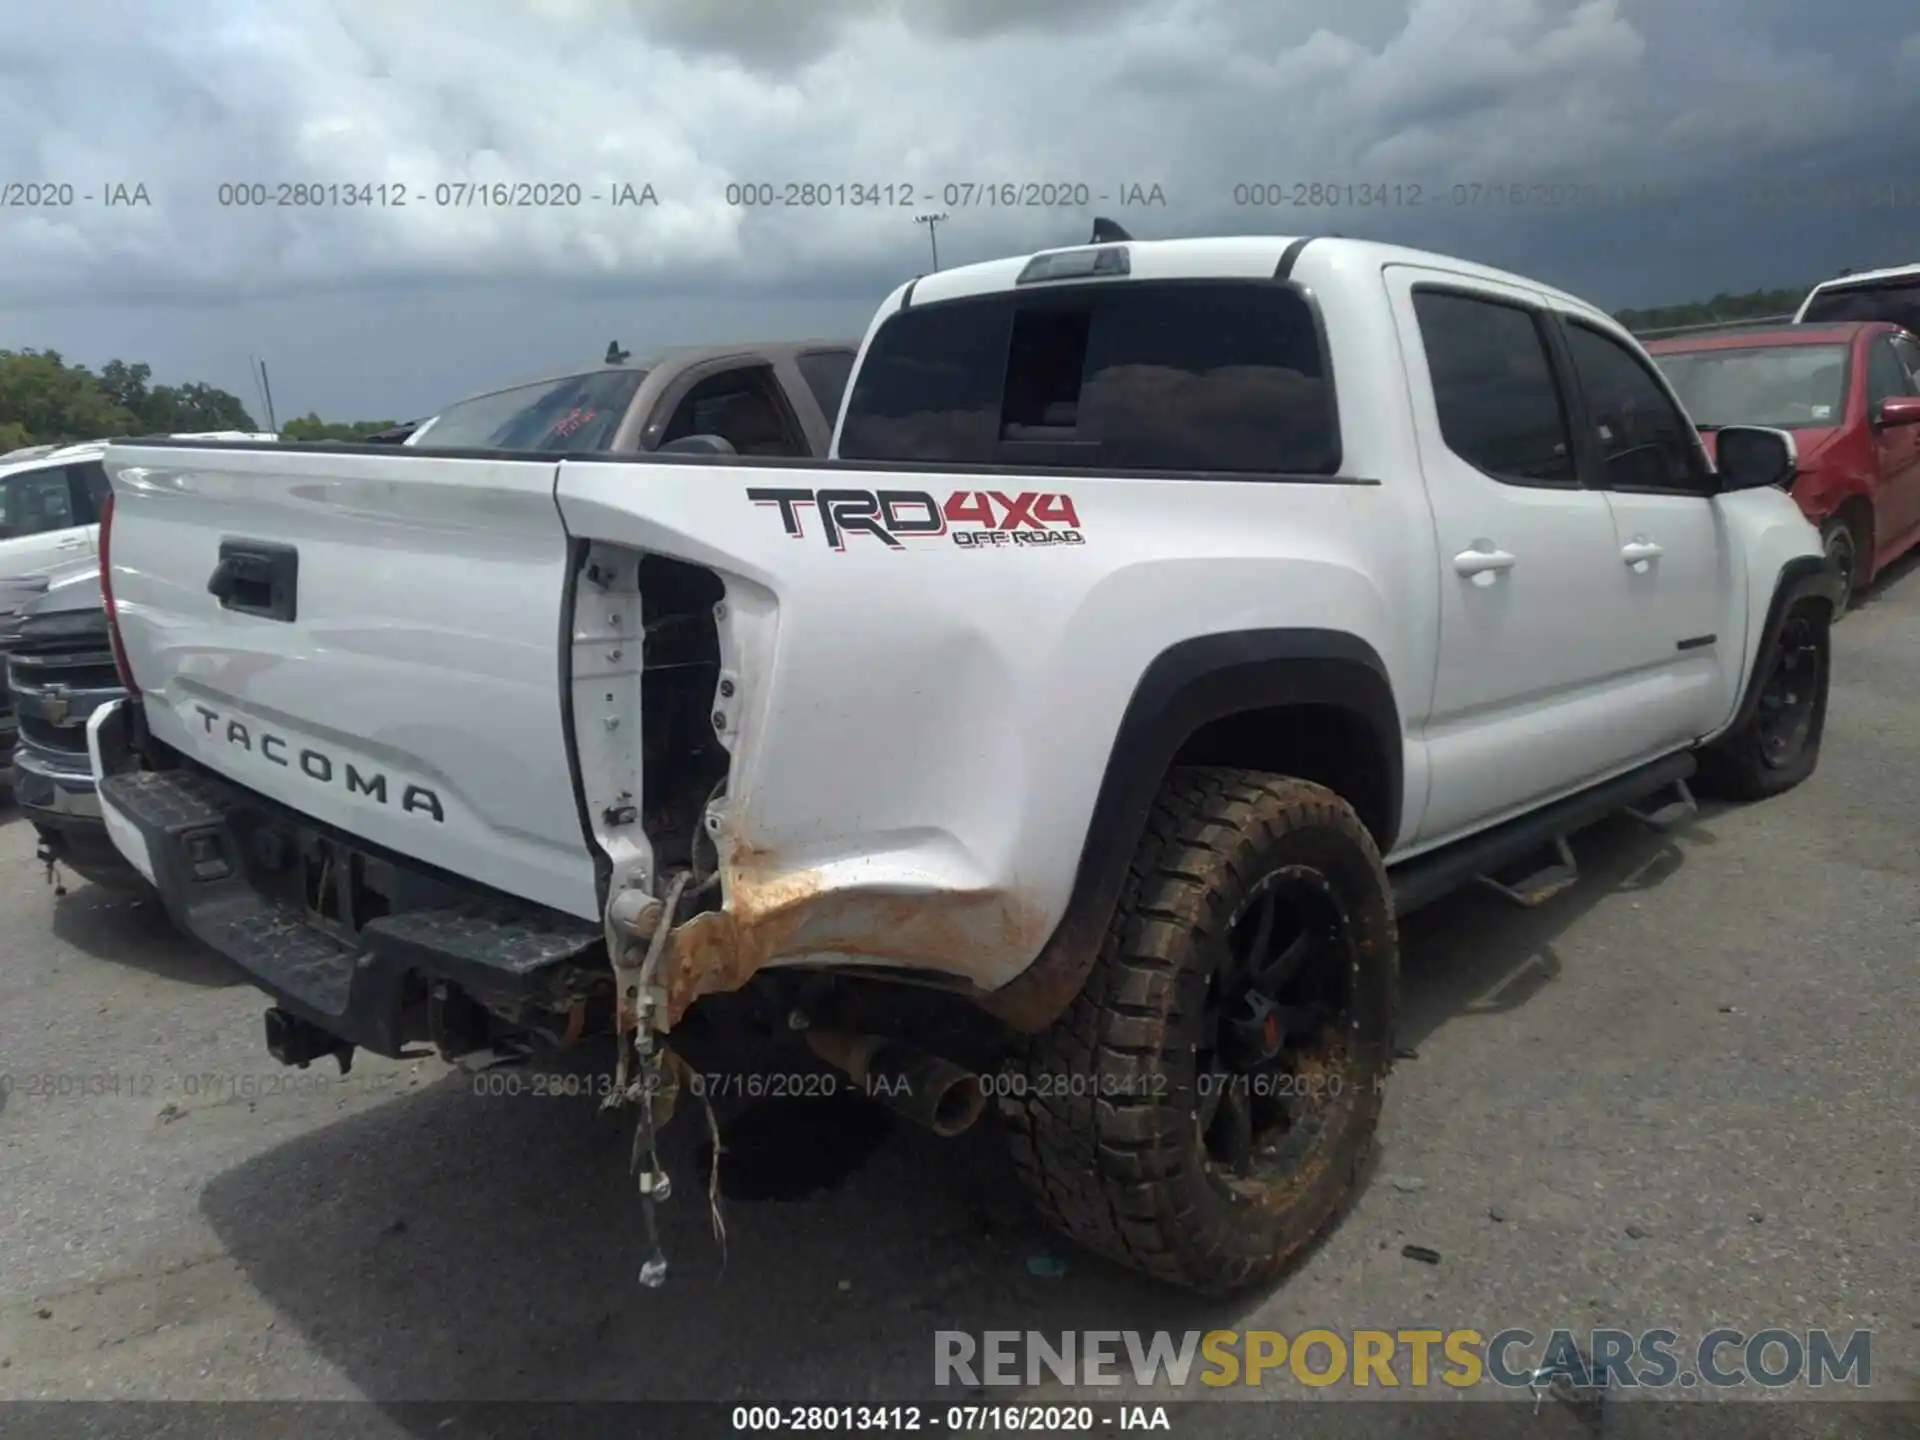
(771, 913)
(1040, 994)
(922, 1087)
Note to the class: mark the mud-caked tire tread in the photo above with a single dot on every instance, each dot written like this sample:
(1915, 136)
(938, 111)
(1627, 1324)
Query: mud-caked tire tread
(1100, 1112)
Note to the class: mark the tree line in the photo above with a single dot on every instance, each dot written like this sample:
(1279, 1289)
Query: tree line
(1749, 305)
(46, 401)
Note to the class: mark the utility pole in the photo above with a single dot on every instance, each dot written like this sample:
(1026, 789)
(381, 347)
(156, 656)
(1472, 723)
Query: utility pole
(266, 390)
(932, 222)
(253, 369)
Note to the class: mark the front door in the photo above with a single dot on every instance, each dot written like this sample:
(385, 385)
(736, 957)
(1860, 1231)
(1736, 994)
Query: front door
(1674, 573)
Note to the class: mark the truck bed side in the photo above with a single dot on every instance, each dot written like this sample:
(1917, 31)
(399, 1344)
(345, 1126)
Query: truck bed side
(920, 673)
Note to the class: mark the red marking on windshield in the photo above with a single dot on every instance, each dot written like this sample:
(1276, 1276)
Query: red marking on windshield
(573, 420)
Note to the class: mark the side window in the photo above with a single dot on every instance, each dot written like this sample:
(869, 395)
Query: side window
(35, 502)
(1645, 441)
(89, 488)
(1907, 350)
(743, 407)
(1886, 376)
(1499, 406)
(826, 372)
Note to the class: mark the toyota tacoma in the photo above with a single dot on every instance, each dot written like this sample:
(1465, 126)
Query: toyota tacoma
(1168, 618)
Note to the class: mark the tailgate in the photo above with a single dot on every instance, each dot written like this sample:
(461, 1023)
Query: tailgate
(387, 658)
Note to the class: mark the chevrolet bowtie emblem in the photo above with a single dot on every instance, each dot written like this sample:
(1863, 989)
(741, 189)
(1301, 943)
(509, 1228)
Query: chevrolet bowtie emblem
(56, 702)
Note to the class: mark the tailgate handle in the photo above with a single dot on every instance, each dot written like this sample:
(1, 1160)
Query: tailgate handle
(256, 577)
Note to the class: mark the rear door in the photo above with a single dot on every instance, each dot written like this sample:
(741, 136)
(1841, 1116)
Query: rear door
(1673, 576)
(1527, 697)
(385, 656)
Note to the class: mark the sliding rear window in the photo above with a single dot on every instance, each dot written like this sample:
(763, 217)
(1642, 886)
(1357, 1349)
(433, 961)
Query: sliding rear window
(1214, 375)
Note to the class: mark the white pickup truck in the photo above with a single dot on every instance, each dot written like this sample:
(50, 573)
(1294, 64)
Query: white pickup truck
(1170, 617)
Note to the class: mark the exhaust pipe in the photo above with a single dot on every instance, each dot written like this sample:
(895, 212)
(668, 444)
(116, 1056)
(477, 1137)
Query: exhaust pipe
(924, 1088)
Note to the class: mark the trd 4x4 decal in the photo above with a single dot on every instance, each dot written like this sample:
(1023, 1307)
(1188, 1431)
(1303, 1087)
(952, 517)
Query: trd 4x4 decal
(976, 519)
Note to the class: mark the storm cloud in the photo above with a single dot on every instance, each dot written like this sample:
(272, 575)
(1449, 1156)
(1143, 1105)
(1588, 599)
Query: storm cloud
(1723, 144)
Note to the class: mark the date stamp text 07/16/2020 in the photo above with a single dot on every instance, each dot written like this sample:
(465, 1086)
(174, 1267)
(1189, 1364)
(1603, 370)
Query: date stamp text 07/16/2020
(1461, 195)
(962, 194)
(207, 1085)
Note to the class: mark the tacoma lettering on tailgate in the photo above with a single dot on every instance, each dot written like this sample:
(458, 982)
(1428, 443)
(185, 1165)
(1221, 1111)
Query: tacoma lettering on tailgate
(976, 519)
(319, 766)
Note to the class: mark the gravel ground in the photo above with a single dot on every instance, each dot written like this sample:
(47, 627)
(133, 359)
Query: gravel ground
(1682, 1094)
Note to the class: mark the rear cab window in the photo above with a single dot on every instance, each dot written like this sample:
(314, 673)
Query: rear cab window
(1209, 376)
(573, 413)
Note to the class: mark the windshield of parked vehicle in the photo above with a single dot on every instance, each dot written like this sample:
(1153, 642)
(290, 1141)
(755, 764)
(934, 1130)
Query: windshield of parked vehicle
(1898, 302)
(1788, 386)
(576, 412)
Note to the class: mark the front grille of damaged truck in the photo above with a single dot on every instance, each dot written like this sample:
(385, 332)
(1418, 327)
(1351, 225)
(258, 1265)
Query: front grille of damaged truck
(206, 855)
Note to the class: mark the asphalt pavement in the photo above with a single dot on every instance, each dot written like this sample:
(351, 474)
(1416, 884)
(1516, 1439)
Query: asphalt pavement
(1683, 1094)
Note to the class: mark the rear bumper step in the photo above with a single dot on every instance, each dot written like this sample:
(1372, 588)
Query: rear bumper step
(239, 873)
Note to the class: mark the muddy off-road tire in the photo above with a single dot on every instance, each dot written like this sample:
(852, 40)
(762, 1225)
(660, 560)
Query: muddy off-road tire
(1138, 1122)
(1780, 745)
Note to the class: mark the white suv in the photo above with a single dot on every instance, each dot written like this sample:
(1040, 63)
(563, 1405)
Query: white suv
(50, 507)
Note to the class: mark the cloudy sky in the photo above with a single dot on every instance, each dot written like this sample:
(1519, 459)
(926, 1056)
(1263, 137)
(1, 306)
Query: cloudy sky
(1698, 146)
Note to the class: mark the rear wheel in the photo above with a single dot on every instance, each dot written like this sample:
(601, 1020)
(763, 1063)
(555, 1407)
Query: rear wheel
(1779, 746)
(1201, 1111)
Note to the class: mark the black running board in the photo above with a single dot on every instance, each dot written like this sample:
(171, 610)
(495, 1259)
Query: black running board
(1426, 878)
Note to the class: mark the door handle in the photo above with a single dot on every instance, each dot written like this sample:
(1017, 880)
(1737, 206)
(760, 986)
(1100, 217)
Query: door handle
(71, 545)
(257, 577)
(1482, 562)
(1640, 552)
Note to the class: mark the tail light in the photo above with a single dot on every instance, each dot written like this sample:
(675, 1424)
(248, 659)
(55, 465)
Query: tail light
(106, 592)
